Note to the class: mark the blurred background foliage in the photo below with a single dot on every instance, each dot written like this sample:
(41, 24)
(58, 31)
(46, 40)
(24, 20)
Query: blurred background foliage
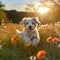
(14, 16)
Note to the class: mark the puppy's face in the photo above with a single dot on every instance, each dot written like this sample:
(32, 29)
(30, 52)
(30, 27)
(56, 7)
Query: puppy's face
(30, 23)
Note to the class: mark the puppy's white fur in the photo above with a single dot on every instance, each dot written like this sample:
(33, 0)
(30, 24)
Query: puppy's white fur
(30, 33)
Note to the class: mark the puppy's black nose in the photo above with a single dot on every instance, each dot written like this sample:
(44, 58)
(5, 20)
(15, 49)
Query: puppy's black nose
(30, 27)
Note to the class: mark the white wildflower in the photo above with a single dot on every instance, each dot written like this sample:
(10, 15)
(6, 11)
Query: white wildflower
(32, 58)
(58, 45)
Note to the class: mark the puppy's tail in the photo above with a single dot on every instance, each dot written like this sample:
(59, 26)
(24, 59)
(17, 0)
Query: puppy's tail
(18, 32)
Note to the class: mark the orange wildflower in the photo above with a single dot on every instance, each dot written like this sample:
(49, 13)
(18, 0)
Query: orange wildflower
(41, 54)
(55, 40)
(49, 39)
(13, 39)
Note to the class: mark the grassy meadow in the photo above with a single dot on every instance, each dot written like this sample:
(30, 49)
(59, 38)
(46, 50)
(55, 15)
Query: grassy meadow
(12, 46)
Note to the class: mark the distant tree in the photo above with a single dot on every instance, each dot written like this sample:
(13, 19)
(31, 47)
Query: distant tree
(2, 13)
(1, 5)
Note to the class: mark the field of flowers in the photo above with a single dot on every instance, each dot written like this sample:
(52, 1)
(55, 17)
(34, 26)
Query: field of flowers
(12, 46)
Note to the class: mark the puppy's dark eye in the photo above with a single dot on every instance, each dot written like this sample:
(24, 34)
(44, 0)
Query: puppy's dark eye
(32, 22)
(26, 23)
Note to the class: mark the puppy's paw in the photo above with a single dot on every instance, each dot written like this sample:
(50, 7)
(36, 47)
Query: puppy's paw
(28, 44)
(18, 32)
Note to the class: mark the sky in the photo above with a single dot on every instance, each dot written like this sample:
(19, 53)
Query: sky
(17, 4)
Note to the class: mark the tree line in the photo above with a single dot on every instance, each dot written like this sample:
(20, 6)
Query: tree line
(14, 16)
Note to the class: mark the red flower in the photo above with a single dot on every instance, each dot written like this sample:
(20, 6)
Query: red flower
(55, 40)
(41, 54)
(49, 39)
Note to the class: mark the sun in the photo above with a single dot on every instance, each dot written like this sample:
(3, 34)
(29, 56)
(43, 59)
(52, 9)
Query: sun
(43, 10)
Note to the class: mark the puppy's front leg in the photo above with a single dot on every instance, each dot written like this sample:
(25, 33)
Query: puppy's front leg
(26, 39)
(35, 41)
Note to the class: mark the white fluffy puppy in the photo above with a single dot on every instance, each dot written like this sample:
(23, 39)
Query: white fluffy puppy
(30, 33)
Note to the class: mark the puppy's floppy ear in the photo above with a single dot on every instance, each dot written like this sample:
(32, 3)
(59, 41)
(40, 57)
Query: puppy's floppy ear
(23, 21)
(36, 20)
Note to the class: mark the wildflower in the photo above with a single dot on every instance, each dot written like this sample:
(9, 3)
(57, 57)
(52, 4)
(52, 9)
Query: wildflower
(55, 40)
(49, 39)
(5, 26)
(41, 54)
(32, 58)
(59, 45)
(13, 39)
